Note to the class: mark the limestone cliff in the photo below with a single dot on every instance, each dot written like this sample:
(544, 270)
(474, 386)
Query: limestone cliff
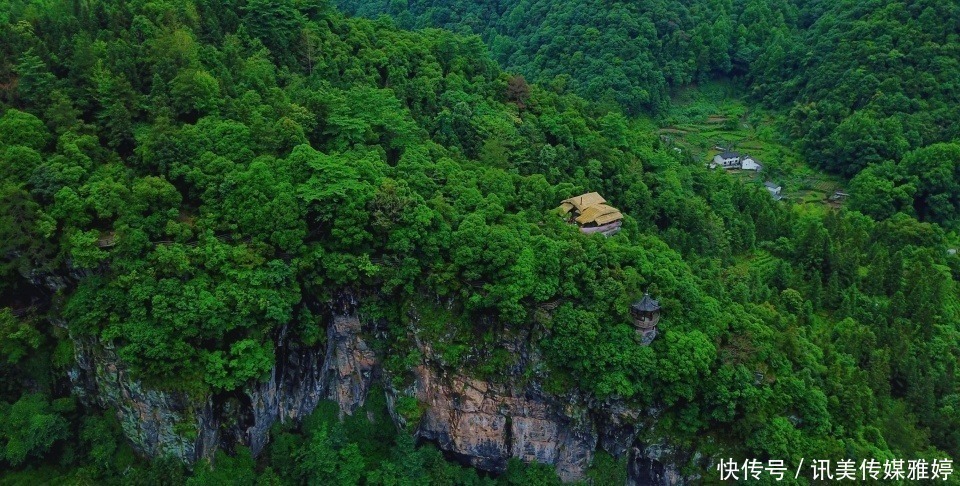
(658, 464)
(342, 371)
(157, 423)
(161, 423)
(486, 424)
(480, 422)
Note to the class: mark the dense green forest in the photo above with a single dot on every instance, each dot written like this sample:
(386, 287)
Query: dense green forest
(186, 180)
(860, 83)
(627, 54)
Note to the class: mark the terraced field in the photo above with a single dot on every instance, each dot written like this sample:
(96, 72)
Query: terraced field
(714, 117)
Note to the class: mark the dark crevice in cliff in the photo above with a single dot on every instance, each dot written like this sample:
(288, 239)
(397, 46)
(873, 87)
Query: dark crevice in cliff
(508, 433)
(235, 412)
(26, 296)
(644, 471)
(450, 455)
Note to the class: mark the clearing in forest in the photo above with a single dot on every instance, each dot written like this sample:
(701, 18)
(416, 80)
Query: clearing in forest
(711, 118)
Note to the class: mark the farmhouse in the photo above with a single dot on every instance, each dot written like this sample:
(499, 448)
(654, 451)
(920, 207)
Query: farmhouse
(733, 160)
(727, 160)
(838, 195)
(748, 163)
(774, 190)
(592, 214)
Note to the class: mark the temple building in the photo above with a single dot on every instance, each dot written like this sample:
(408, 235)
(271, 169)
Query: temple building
(646, 315)
(591, 213)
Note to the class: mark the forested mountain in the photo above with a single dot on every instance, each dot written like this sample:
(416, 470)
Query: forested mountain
(209, 207)
(861, 83)
(620, 53)
(875, 86)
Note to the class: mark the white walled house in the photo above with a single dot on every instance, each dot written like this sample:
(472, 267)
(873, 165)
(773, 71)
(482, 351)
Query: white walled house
(774, 189)
(727, 160)
(748, 163)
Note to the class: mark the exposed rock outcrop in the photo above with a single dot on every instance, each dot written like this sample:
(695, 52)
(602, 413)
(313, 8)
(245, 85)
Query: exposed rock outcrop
(342, 372)
(658, 465)
(482, 423)
(159, 423)
(350, 365)
(618, 426)
(295, 387)
(486, 424)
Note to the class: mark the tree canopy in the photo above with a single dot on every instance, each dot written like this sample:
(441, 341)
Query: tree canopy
(187, 182)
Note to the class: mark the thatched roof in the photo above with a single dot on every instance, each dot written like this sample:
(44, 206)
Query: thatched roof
(584, 201)
(600, 214)
(609, 218)
(590, 208)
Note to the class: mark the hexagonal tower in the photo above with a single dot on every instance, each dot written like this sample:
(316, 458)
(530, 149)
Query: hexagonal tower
(646, 315)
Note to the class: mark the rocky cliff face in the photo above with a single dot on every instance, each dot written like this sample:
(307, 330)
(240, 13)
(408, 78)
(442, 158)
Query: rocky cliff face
(172, 423)
(158, 423)
(482, 423)
(342, 371)
(485, 424)
(657, 464)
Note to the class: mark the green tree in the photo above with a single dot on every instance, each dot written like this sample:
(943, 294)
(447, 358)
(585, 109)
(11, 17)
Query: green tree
(238, 469)
(195, 93)
(30, 427)
(19, 128)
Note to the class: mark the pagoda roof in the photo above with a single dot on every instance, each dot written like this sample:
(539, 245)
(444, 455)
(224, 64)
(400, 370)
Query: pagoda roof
(647, 304)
